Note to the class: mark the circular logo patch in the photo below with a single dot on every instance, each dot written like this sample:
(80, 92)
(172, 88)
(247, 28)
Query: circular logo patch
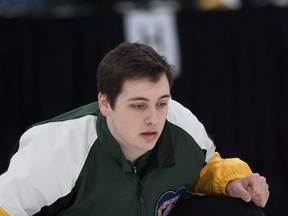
(167, 201)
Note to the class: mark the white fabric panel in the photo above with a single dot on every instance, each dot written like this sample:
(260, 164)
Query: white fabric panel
(184, 118)
(47, 165)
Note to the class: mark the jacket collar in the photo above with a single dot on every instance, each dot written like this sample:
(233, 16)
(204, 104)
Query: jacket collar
(163, 153)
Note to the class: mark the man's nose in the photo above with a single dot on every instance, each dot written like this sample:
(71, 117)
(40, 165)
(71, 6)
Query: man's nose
(152, 117)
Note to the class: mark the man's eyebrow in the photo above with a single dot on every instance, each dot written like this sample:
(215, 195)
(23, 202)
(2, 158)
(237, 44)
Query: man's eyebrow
(165, 96)
(146, 99)
(137, 99)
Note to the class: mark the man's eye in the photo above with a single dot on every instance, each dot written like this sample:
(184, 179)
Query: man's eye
(162, 105)
(138, 106)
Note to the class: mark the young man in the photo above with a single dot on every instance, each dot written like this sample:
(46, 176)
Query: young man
(134, 152)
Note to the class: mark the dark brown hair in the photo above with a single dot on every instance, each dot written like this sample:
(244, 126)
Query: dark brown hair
(130, 61)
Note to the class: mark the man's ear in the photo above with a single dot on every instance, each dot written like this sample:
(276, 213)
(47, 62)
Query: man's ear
(104, 104)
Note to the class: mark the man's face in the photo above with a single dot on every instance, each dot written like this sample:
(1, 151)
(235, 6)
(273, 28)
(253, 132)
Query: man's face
(139, 115)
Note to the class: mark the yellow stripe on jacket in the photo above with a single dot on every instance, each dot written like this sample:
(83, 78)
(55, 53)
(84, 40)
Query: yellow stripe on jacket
(3, 212)
(217, 173)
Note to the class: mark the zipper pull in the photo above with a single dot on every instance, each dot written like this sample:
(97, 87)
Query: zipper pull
(140, 194)
(134, 169)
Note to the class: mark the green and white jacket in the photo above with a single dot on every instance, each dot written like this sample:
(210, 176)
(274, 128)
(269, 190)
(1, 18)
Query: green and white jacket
(71, 165)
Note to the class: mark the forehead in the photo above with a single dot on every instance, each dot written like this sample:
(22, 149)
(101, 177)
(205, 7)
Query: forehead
(145, 88)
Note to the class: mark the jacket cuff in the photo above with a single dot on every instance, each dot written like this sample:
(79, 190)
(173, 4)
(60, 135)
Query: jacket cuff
(217, 173)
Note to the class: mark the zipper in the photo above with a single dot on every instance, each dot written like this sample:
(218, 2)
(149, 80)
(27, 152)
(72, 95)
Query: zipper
(140, 198)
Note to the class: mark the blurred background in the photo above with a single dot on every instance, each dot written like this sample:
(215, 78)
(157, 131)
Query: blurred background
(231, 58)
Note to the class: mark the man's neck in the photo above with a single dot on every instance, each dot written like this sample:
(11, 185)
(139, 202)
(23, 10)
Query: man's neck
(132, 155)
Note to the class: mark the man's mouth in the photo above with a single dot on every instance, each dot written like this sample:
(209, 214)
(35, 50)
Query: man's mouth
(149, 135)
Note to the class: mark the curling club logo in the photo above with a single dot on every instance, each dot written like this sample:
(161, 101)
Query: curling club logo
(167, 201)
